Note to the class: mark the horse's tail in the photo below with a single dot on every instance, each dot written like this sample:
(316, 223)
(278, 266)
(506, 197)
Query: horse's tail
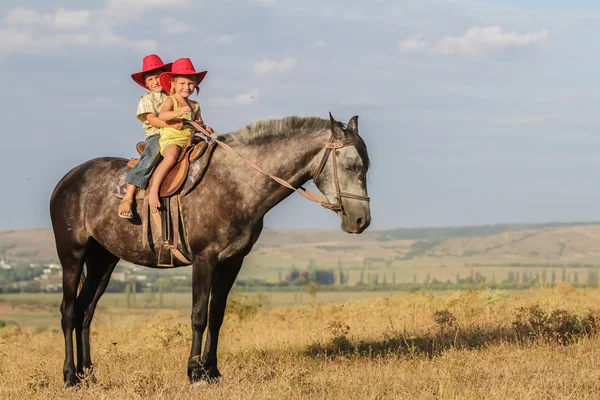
(81, 282)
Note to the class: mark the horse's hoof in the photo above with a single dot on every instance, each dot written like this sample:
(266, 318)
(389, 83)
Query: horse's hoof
(71, 380)
(199, 385)
(206, 382)
(72, 387)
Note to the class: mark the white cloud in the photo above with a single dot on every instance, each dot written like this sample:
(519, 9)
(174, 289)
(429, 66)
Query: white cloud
(320, 43)
(239, 100)
(476, 40)
(173, 26)
(127, 8)
(28, 31)
(266, 66)
(413, 44)
(522, 120)
(71, 19)
(220, 39)
(61, 19)
(20, 41)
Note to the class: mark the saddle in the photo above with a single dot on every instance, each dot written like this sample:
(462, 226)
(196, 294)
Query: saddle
(177, 175)
(163, 230)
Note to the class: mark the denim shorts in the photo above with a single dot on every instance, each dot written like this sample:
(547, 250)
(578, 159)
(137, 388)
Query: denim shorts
(140, 174)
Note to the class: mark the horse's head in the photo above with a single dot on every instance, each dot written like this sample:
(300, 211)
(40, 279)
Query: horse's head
(342, 175)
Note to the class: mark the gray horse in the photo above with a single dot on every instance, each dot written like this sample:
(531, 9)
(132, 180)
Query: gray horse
(223, 216)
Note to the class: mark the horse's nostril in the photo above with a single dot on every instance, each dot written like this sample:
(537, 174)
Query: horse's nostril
(359, 221)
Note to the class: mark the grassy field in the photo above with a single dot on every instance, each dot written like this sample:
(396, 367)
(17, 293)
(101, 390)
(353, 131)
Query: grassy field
(42, 309)
(495, 345)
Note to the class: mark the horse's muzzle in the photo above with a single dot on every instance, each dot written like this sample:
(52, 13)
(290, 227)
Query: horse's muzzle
(356, 222)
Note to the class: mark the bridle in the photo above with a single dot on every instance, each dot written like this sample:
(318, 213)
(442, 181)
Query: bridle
(330, 149)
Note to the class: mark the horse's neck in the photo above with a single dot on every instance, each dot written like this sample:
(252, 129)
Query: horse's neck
(292, 158)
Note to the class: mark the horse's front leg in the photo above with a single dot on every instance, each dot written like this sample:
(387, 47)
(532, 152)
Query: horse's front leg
(224, 278)
(202, 275)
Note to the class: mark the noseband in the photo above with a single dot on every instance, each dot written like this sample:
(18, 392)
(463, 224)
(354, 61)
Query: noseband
(330, 149)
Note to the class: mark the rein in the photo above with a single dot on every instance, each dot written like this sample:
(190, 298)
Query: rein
(331, 145)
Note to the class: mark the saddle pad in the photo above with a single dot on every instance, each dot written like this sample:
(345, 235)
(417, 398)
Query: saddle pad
(198, 168)
(120, 187)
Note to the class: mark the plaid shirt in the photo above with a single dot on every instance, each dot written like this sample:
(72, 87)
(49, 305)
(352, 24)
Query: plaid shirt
(150, 103)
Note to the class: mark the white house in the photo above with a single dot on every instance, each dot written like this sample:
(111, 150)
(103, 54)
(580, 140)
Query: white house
(118, 276)
(4, 265)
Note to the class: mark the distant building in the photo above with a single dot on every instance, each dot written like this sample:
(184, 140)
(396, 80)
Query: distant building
(4, 265)
(53, 266)
(47, 271)
(51, 288)
(119, 276)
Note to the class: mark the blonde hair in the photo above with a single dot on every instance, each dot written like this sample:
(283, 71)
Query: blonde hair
(195, 79)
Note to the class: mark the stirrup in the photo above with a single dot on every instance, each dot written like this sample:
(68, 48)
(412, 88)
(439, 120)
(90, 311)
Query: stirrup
(159, 264)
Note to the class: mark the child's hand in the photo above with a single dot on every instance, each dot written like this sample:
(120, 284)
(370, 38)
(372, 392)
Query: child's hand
(175, 123)
(209, 129)
(184, 109)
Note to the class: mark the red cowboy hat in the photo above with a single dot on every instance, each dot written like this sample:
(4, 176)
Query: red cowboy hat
(181, 66)
(150, 63)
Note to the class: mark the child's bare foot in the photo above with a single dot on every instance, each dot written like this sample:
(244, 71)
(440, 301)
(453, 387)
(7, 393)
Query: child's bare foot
(153, 200)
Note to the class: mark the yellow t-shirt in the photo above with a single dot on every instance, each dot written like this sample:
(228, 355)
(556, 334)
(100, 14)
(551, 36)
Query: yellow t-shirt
(170, 135)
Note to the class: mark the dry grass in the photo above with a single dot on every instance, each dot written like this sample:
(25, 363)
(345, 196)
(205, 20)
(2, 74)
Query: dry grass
(411, 346)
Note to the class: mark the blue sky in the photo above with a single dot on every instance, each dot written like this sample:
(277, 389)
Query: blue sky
(474, 112)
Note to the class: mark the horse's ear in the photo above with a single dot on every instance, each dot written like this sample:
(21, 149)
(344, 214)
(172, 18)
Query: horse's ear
(336, 130)
(353, 125)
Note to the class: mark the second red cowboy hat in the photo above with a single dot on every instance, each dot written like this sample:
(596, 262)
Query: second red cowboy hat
(181, 66)
(150, 63)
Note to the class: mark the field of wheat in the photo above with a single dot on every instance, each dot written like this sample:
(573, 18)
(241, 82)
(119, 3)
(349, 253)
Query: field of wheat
(539, 344)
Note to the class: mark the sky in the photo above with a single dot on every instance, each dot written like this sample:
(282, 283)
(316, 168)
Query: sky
(474, 112)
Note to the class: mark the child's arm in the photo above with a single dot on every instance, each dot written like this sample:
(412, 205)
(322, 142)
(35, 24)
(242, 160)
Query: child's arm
(158, 123)
(201, 122)
(166, 112)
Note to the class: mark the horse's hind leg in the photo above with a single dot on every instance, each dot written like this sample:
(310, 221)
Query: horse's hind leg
(100, 264)
(71, 259)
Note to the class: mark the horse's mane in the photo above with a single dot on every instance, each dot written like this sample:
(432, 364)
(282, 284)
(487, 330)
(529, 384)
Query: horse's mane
(264, 131)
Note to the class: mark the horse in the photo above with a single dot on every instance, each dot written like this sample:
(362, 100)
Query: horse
(223, 215)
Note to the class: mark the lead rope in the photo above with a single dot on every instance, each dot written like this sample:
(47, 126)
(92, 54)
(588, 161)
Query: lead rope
(302, 191)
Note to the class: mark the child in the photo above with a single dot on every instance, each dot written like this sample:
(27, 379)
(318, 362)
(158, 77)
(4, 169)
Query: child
(181, 82)
(147, 112)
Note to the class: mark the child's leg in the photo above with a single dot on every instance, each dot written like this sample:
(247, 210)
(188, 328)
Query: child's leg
(170, 154)
(139, 175)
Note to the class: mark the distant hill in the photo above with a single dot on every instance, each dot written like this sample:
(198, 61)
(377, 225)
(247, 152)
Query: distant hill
(548, 243)
(32, 245)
